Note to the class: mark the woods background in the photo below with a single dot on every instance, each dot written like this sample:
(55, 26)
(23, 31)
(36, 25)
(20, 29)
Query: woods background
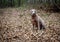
(50, 4)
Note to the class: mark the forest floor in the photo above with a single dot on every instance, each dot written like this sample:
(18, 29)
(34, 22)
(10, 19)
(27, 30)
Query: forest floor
(16, 26)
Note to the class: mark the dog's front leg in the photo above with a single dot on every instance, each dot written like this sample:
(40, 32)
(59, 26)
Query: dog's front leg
(33, 26)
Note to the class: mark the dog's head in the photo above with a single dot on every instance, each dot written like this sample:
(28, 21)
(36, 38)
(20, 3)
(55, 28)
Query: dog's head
(33, 11)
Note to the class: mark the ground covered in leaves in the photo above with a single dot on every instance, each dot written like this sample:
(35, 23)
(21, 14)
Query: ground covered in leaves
(15, 26)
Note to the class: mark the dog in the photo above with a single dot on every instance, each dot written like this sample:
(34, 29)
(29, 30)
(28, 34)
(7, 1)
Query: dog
(37, 21)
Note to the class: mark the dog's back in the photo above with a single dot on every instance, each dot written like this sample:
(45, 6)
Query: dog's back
(41, 22)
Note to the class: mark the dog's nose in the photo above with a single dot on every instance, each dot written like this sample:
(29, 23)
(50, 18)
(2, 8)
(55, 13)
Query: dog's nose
(33, 13)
